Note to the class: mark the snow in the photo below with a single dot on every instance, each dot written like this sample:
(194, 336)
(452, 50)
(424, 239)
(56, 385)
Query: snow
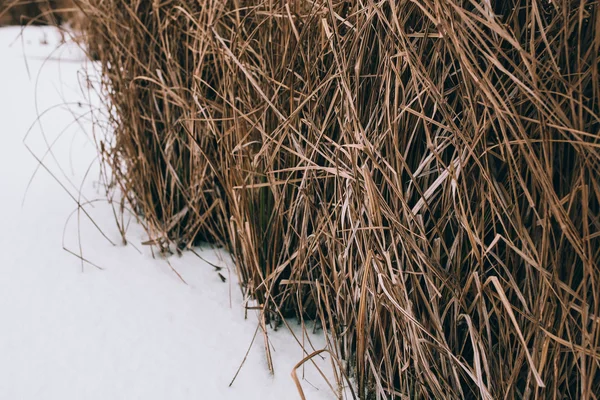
(132, 330)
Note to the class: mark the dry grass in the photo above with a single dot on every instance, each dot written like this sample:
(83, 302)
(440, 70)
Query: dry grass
(420, 177)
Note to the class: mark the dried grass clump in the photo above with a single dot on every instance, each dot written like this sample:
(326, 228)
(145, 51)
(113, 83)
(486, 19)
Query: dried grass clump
(419, 176)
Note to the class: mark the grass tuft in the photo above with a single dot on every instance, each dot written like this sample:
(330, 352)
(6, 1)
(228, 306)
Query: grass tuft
(420, 177)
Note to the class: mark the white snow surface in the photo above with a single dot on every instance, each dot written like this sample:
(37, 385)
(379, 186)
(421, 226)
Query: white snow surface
(132, 330)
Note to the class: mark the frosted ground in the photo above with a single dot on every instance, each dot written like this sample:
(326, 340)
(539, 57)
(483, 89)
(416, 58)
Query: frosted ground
(132, 330)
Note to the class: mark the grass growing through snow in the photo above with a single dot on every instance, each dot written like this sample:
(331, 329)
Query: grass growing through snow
(421, 177)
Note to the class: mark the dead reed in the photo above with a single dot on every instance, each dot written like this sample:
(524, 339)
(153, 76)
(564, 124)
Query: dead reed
(420, 177)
